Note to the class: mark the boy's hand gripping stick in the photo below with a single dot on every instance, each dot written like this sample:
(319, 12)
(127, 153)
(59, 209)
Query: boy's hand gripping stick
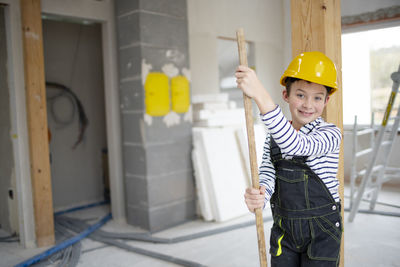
(252, 151)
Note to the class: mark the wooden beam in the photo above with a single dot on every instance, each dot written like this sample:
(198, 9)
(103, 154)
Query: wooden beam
(37, 121)
(316, 26)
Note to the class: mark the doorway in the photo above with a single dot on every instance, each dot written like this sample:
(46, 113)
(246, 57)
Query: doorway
(75, 112)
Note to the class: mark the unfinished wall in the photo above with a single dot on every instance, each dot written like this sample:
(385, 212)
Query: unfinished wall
(6, 158)
(263, 25)
(152, 37)
(73, 57)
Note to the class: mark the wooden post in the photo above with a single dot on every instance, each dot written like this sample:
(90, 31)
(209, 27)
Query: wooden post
(316, 26)
(37, 121)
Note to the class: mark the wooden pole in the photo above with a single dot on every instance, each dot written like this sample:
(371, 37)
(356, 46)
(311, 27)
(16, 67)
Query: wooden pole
(252, 151)
(316, 26)
(37, 121)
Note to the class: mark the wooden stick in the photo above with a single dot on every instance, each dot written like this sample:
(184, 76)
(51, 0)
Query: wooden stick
(252, 151)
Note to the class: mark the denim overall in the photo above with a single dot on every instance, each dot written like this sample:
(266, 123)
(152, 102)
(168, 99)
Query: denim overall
(307, 227)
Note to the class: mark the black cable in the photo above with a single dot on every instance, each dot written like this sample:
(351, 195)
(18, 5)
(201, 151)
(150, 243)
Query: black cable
(83, 120)
(52, 101)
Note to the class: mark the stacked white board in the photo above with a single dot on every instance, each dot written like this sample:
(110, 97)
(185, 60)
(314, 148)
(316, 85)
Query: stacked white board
(221, 157)
(219, 172)
(259, 136)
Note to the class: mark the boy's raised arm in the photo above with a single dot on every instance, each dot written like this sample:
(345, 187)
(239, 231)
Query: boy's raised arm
(249, 83)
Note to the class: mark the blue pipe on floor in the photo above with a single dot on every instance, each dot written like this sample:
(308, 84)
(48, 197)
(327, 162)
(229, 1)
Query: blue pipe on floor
(65, 243)
(82, 207)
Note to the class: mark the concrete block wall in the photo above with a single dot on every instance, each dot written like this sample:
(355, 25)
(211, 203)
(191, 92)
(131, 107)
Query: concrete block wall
(158, 172)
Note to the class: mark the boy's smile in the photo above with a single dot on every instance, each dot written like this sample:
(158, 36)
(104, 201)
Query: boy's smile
(306, 102)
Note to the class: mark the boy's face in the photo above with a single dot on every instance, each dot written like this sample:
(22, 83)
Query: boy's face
(306, 102)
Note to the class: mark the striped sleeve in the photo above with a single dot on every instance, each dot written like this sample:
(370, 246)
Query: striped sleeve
(291, 142)
(267, 171)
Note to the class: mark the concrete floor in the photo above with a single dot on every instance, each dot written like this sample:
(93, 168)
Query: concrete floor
(371, 240)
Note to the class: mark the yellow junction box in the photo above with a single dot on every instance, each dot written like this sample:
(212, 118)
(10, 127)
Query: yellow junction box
(180, 92)
(157, 98)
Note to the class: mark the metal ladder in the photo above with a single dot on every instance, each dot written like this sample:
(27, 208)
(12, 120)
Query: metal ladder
(375, 174)
(357, 154)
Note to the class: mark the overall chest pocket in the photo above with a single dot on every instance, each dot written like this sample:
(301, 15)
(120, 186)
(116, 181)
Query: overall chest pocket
(290, 175)
(291, 188)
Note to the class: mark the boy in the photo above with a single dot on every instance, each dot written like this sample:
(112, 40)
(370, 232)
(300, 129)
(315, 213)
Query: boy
(300, 161)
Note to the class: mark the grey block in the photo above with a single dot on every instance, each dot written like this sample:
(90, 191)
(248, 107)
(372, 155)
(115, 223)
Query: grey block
(176, 8)
(159, 132)
(133, 128)
(167, 216)
(177, 186)
(168, 158)
(125, 6)
(128, 30)
(138, 216)
(163, 31)
(158, 56)
(136, 192)
(130, 62)
(132, 95)
(134, 159)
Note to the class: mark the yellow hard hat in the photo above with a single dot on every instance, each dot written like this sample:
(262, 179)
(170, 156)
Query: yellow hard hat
(313, 67)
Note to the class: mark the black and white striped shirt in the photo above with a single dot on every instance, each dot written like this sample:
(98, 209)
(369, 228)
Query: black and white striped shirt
(318, 140)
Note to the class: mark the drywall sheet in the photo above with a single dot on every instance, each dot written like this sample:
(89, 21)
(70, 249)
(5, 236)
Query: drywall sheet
(225, 178)
(201, 174)
(211, 118)
(259, 136)
(210, 98)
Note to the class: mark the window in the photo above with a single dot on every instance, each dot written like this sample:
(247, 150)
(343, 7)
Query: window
(368, 60)
(228, 60)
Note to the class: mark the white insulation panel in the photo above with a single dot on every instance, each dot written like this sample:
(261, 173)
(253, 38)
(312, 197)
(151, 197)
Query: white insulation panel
(220, 174)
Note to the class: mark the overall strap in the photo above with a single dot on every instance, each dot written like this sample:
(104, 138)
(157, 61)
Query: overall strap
(276, 154)
(275, 151)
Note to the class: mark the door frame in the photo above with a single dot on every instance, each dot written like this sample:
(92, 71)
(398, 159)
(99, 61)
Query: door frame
(19, 126)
